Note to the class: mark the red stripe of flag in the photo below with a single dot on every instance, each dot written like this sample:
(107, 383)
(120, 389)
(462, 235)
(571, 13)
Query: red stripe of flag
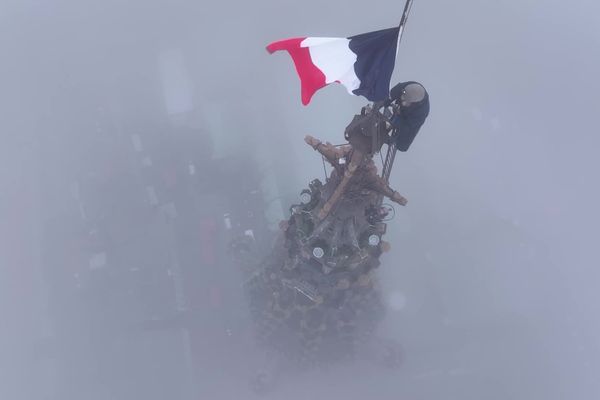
(311, 77)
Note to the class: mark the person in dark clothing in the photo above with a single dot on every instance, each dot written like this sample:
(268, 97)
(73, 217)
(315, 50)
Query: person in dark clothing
(410, 102)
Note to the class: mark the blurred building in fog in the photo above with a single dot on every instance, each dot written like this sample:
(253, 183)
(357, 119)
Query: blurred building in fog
(139, 213)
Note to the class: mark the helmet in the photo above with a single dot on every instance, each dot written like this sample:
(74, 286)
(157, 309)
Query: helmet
(407, 93)
(413, 93)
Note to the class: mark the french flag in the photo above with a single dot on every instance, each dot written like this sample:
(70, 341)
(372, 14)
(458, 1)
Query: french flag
(363, 63)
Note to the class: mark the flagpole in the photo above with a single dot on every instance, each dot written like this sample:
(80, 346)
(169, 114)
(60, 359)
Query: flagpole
(386, 169)
(407, 7)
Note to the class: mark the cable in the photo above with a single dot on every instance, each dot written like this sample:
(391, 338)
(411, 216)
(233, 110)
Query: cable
(393, 215)
(324, 168)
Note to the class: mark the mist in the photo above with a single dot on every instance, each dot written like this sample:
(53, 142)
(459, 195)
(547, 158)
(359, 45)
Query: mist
(133, 133)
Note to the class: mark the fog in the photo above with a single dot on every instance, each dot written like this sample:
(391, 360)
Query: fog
(128, 129)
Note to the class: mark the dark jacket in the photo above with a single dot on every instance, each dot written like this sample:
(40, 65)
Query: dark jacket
(408, 120)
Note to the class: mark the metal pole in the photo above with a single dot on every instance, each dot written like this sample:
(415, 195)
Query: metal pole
(391, 153)
(403, 20)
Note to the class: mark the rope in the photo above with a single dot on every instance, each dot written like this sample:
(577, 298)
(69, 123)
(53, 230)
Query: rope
(324, 168)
